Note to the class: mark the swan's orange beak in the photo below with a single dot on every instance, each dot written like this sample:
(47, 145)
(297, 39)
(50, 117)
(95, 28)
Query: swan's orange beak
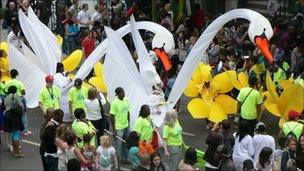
(164, 57)
(263, 44)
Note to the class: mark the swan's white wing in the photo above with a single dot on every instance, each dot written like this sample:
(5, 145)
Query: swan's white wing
(30, 55)
(203, 42)
(100, 51)
(39, 44)
(49, 37)
(120, 71)
(30, 75)
(146, 67)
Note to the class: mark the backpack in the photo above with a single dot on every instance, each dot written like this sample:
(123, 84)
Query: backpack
(16, 108)
(105, 160)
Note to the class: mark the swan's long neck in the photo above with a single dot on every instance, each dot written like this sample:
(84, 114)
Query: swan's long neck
(200, 47)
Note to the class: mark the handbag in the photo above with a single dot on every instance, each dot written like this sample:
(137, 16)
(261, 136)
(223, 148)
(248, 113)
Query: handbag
(104, 117)
(157, 141)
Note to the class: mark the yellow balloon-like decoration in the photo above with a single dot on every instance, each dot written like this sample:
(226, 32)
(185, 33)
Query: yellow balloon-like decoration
(4, 62)
(98, 83)
(71, 62)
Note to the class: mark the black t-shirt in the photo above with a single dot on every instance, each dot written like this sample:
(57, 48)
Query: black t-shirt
(48, 139)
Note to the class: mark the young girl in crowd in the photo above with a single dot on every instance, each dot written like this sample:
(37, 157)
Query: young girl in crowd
(88, 151)
(289, 153)
(264, 162)
(106, 157)
(61, 145)
(132, 146)
(156, 163)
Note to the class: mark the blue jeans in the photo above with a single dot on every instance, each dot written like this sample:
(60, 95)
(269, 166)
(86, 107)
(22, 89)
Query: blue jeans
(122, 151)
(51, 163)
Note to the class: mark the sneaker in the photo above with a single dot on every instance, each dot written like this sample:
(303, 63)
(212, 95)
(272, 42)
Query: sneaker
(9, 147)
(27, 133)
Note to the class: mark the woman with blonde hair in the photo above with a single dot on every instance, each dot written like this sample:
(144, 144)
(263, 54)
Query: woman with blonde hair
(94, 110)
(173, 140)
(106, 158)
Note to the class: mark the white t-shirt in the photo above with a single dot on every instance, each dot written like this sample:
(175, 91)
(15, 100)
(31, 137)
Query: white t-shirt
(268, 166)
(259, 142)
(14, 39)
(242, 151)
(97, 17)
(106, 152)
(93, 108)
(84, 17)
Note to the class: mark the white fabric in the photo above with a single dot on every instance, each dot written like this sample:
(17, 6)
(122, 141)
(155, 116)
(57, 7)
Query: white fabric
(259, 142)
(14, 39)
(84, 17)
(146, 67)
(38, 43)
(62, 81)
(124, 75)
(30, 55)
(242, 151)
(33, 85)
(97, 17)
(256, 27)
(48, 35)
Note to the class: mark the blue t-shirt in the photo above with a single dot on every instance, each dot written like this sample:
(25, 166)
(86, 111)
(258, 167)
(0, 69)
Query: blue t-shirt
(134, 157)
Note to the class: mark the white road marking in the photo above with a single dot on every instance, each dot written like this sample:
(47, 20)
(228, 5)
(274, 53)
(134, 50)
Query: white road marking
(188, 134)
(31, 142)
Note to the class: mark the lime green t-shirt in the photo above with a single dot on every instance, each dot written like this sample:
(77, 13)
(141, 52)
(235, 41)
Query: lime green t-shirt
(81, 128)
(2, 89)
(293, 126)
(173, 134)
(17, 83)
(120, 110)
(144, 128)
(248, 109)
(49, 97)
(77, 97)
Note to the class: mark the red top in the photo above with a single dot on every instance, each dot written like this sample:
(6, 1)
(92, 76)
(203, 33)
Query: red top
(199, 19)
(88, 46)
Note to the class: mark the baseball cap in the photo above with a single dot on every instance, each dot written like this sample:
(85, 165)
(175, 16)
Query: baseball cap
(49, 78)
(293, 114)
(77, 82)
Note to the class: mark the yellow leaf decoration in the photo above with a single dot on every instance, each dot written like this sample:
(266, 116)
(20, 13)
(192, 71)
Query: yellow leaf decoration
(223, 82)
(191, 90)
(227, 102)
(217, 113)
(98, 69)
(71, 63)
(198, 109)
(4, 46)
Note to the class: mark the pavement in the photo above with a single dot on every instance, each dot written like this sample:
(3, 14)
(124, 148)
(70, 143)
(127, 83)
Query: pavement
(194, 134)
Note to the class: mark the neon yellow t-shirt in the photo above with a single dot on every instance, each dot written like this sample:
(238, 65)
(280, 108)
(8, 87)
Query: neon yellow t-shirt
(293, 126)
(77, 97)
(50, 97)
(17, 83)
(248, 109)
(144, 128)
(120, 109)
(173, 134)
(2, 89)
(81, 128)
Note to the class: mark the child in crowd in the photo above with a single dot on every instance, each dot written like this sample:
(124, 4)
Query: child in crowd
(132, 146)
(88, 151)
(106, 158)
(264, 162)
(61, 145)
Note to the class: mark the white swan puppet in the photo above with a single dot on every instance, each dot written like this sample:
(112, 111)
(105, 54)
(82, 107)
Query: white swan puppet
(259, 32)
